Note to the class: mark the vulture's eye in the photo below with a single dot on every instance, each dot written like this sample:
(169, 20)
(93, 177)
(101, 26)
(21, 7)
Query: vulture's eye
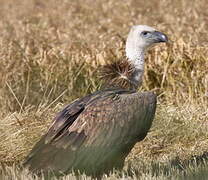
(145, 33)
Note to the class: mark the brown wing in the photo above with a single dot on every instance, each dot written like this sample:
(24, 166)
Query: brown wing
(94, 129)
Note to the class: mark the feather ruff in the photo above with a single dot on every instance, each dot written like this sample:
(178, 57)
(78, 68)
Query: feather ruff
(117, 74)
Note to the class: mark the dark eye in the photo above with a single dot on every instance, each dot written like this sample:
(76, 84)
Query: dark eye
(145, 33)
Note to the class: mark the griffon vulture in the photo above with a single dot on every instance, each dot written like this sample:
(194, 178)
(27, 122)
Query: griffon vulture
(94, 134)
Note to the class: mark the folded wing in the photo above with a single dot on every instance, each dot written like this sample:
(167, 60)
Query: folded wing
(94, 134)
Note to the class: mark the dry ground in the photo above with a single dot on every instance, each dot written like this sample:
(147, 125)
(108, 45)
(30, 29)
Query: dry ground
(50, 51)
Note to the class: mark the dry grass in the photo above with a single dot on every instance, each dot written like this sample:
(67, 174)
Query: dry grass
(50, 52)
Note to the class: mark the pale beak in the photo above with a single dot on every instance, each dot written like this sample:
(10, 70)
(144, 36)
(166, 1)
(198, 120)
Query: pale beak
(159, 37)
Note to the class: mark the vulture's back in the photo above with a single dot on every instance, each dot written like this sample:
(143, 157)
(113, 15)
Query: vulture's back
(94, 134)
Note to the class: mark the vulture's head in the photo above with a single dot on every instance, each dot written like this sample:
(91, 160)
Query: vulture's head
(140, 38)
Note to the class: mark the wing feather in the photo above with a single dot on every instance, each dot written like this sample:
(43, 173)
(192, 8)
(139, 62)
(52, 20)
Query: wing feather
(94, 129)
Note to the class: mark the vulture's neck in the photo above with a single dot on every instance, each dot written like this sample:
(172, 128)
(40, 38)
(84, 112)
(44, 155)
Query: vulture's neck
(135, 55)
(125, 73)
(128, 72)
(136, 59)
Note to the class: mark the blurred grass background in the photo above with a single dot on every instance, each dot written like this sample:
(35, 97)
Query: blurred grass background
(50, 52)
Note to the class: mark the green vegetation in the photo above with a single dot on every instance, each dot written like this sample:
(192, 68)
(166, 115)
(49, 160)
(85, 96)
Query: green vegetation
(50, 52)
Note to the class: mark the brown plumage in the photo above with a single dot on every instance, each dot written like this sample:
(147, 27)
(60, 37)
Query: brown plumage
(118, 74)
(94, 134)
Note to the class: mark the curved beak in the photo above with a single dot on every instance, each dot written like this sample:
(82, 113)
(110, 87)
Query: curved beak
(159, 37)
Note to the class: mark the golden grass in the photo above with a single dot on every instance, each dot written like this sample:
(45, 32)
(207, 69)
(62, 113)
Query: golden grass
(50, 52)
